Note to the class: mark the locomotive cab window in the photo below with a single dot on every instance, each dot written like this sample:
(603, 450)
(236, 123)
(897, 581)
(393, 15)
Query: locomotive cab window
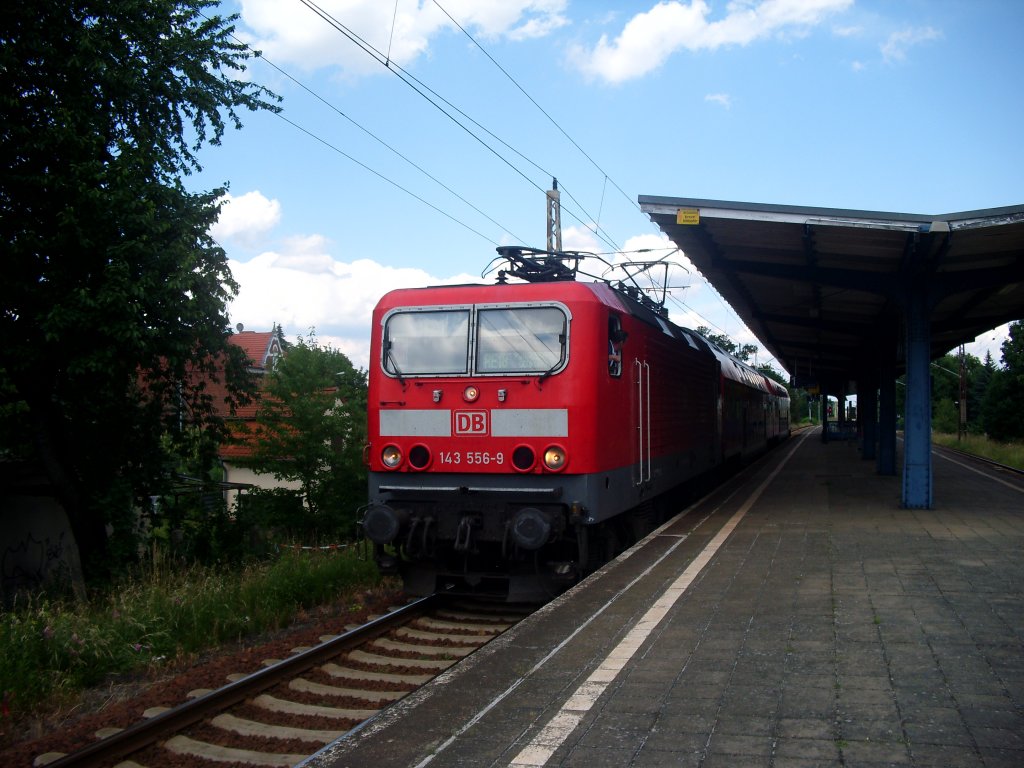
(616, 336)
(520, 340)
(425, 343)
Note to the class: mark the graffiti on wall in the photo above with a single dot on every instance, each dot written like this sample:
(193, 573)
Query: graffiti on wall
(32, 562)
(37, 547)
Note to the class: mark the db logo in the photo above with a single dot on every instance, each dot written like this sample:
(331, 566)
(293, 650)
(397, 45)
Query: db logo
(470, 422)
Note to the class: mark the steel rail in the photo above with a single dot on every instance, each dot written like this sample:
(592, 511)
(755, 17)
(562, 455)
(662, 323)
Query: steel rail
(981, 459)
(147, 732)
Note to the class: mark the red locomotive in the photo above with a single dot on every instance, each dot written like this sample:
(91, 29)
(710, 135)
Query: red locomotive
(522, 433)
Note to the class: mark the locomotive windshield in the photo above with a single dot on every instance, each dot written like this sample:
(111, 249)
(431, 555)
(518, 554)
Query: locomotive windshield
(427, 343)
(519, 340)
(505, 340)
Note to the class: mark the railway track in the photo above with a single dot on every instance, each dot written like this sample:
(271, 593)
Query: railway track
(292, 707)
(986, 462)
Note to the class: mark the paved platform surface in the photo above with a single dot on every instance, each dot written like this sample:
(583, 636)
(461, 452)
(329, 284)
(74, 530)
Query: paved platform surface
(825, 626)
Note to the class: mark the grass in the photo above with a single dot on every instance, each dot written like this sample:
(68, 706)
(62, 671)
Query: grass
(52, 649)
(1010, 454)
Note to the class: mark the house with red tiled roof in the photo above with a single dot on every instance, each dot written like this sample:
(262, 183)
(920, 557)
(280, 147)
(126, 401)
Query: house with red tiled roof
(41, 545)
(263, 349)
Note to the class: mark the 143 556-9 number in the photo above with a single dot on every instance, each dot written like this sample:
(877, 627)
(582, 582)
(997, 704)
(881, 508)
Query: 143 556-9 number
(474, 458)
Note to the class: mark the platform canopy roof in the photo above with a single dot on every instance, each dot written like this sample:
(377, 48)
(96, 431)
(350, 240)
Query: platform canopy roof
(824, 289)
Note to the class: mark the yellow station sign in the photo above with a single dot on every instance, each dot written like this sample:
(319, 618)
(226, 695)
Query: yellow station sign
(687, 216)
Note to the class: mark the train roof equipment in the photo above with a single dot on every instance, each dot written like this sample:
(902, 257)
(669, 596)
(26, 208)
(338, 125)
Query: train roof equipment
(536, 265)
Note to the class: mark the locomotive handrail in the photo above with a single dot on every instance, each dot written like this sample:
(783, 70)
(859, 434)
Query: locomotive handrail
(647, 416)
(643, 416)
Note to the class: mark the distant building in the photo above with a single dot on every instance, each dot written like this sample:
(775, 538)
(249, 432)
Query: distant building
(36, 541)
(263, 349)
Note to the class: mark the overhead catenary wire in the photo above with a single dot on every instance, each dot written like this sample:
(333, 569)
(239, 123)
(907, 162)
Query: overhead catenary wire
(391, 39)
(538, 106)
(420, 87)
(565, 133)
(387, 146)
(383, 143)
(426, 92)
(385, 178)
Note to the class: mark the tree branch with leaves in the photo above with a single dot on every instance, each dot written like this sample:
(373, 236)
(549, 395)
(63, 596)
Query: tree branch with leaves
(311, 428)
(114, 291)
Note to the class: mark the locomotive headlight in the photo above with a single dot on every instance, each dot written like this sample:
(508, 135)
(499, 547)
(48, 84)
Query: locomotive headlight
(470, 394)
(554, 458)
(391, 456)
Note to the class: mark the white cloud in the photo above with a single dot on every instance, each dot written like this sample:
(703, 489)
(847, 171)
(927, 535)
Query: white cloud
(304, 286)
(990, 342)
(650, 38)
(246, 218)
(540, 27)
(896, 46)
(851, 31)
(291, 34)
(579, 238)
(307, 254)
(722, 99)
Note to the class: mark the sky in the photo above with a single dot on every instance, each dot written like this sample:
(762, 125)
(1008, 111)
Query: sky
(416, 136)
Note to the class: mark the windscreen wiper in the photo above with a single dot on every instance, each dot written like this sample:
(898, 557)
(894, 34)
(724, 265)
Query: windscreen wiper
(558, 362)
(390, 357)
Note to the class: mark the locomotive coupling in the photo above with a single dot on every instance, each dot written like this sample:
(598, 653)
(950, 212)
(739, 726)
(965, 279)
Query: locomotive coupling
(382, 524)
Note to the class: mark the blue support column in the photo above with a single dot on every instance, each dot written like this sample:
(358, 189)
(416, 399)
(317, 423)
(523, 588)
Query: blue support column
(886, 464)
(917, 448)
(824, 415)
(867, 413)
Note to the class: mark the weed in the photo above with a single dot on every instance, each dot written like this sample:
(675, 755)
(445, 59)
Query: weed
(1010, 454)
(51, 649)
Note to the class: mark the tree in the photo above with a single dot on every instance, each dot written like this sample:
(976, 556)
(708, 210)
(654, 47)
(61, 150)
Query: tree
(114, 294)
(977, 387)
(1013, 349)
(945, 383)
(311, 428)
(741, 352)
(946, 416)
(1002, 409)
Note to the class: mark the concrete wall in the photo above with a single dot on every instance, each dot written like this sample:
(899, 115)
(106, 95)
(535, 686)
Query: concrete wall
(36, 546)
(235, 474)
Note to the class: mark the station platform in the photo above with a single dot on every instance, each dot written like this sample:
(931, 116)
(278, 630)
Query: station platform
(796, 616)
